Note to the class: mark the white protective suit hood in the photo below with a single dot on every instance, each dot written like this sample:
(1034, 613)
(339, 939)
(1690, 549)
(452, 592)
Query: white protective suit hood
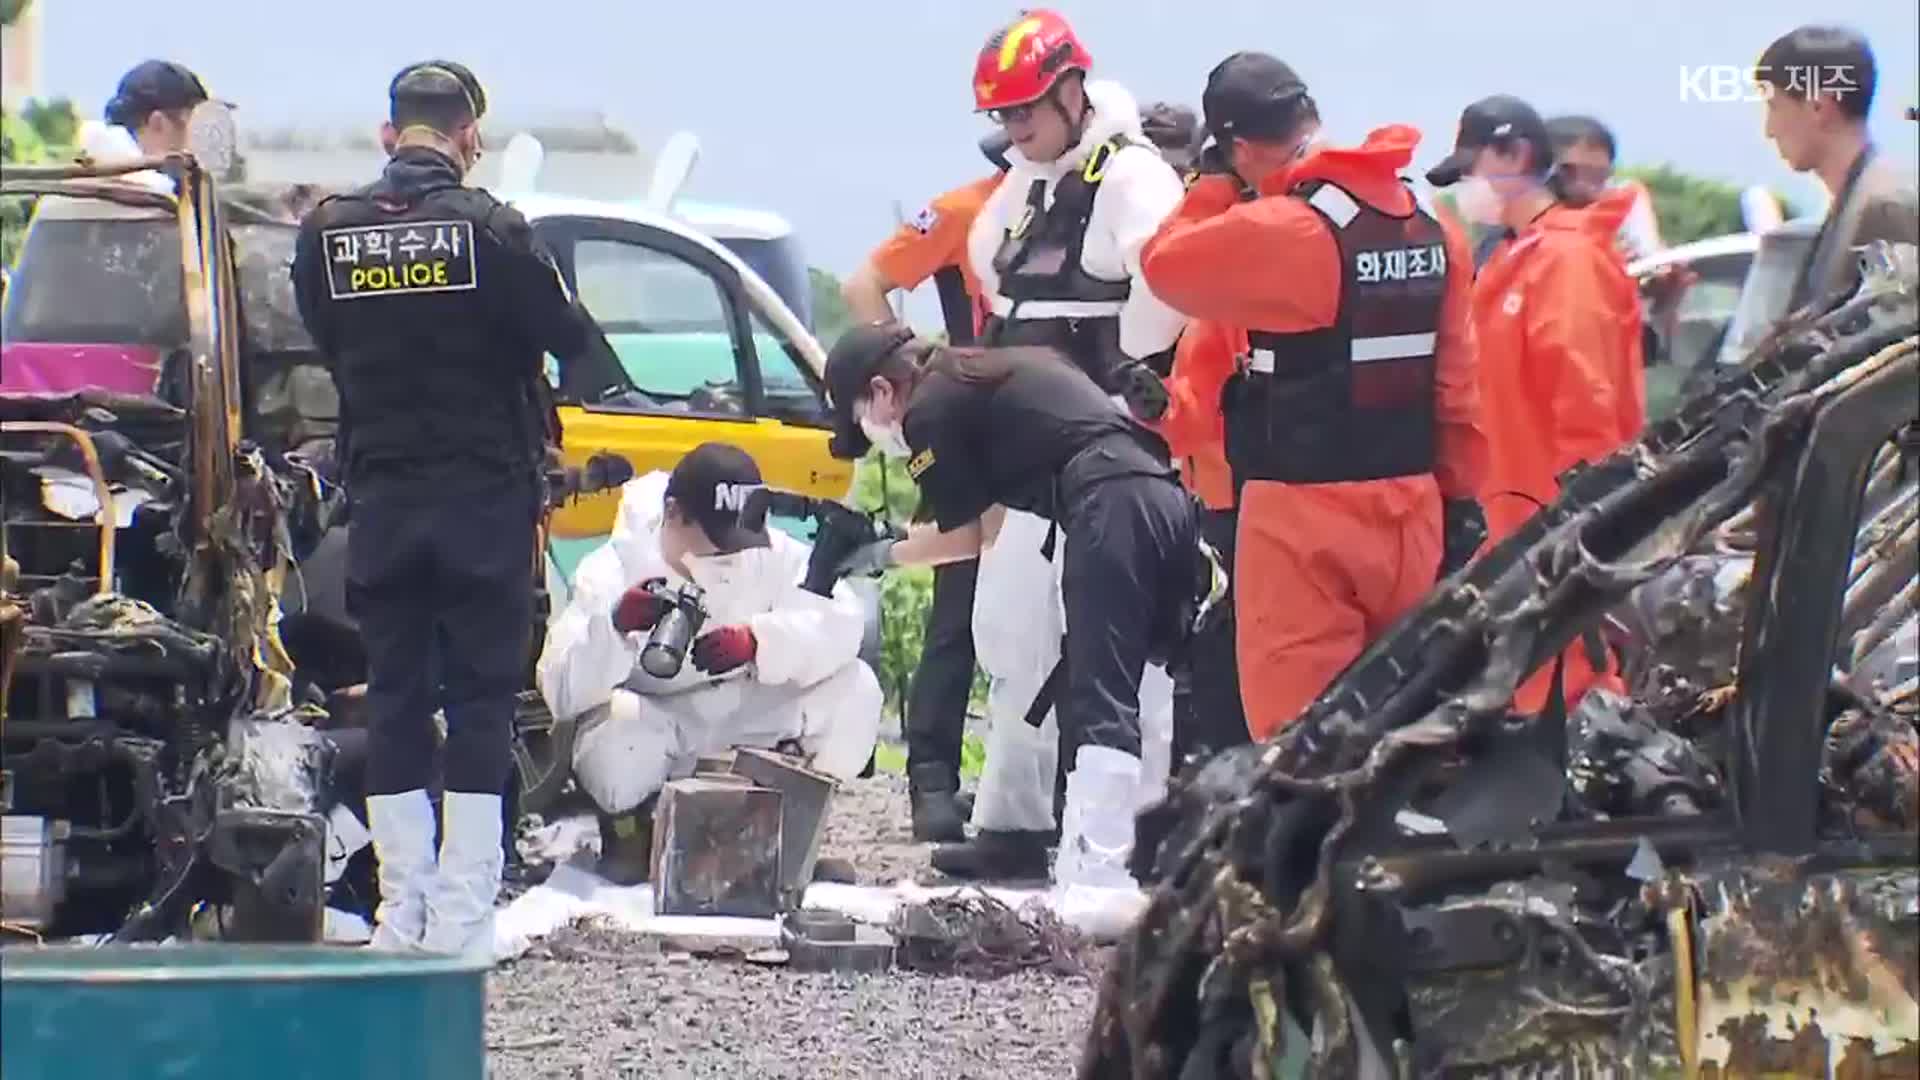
(801, 637)
(1138, 191)
(1115, 113)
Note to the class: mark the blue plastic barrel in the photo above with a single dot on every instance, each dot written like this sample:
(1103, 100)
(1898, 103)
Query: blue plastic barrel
(240, 1012)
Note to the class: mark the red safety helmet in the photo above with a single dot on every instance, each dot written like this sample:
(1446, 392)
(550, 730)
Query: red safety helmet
(1022, 61)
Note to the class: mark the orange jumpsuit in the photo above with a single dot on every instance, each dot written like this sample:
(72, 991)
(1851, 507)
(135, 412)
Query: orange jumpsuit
(935, 240)
(1192, 425)
(1561, 378)
(1321, 569)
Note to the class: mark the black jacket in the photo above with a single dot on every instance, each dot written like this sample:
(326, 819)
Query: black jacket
(433, 304)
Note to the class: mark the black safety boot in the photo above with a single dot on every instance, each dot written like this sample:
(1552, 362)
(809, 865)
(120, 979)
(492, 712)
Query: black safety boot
(936, 816)
(995, 855)
(626, 845)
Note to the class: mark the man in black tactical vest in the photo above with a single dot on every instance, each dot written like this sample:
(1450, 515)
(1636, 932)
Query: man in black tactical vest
(433, 304)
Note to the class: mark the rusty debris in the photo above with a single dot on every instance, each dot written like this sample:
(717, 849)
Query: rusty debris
(1726, 883)
(978, 935)
(1800, 973)
(149, 714)
(716, 849)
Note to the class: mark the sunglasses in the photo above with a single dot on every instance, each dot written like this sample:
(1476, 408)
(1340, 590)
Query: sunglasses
(1013, 114)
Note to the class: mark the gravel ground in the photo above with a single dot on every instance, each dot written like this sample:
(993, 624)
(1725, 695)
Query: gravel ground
(599, 1005)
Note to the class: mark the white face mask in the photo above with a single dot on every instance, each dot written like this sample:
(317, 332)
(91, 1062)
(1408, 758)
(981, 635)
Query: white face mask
(1477, 201)
(888, 438)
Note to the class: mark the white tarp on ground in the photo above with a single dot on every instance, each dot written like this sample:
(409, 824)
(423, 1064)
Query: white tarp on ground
(574, 893)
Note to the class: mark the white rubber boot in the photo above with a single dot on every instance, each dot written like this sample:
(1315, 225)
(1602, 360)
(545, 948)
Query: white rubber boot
(1096, 833)
(460, 903)
(402, 828)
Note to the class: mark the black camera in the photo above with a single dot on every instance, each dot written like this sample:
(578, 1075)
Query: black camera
(602, 472)
(842, 529)
(666, 649)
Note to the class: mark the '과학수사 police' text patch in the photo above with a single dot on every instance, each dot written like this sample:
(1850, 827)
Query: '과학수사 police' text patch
(401, 259)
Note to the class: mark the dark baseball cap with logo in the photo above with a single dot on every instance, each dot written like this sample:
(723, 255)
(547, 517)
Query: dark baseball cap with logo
(711, 484)
(853, 361)
(1493, 121)
(152, 86)
(1251, 95)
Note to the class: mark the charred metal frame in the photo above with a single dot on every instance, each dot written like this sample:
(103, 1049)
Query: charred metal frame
(1786, 660)
(1797, 430)
(220, 612)
(102, 491)
(213, 338)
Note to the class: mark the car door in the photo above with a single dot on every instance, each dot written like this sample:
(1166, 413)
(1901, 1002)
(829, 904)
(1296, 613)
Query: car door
(680, 320)
(1688, 323)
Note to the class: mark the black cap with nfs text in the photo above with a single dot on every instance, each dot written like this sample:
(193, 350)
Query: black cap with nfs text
(1491, 121)
(1251, 95)
(711, 484)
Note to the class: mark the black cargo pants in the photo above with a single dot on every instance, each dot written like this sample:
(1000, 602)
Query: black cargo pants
(440, 578)
(1131, 545)
(1207, 714)
(937, 702)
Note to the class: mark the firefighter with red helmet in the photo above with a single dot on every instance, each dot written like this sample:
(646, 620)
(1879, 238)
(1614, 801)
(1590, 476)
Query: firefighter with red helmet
(1056, 249)
(1057, 246)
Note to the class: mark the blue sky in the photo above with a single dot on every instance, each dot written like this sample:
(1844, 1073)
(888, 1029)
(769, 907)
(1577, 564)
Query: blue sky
(831, 111)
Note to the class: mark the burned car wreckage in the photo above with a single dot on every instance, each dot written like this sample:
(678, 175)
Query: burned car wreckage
(1713, 876)
(158, 772)
(180, 745)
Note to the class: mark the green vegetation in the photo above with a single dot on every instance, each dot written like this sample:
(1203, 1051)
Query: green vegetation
(830, 315)
(39, 132)
(1691, 207)
(890, 757)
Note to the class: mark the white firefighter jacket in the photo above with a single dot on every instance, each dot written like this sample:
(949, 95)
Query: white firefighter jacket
(1138, 191)
(803, 638)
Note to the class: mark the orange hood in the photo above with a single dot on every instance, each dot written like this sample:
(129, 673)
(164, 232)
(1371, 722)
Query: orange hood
(1603, 217)
(1370, 170)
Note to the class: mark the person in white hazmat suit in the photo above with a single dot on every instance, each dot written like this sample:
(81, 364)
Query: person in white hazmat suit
(773, 664)
(1056, 249)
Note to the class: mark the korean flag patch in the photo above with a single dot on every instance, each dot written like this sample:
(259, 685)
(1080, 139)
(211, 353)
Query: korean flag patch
(925, 220)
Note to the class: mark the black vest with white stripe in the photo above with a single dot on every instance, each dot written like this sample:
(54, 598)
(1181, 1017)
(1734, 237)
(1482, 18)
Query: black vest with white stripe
(1046, 295)
(1351, 401)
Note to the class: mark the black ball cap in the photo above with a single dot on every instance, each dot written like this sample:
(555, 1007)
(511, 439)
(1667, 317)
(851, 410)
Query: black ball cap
(153, 85)
(1489, 121)
(710, 485)
(1252, 95)
(853, 361)
(1169, 126)
(438, 79)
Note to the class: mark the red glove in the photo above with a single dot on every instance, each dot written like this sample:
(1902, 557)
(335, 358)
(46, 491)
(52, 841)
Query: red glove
(719, 651)
(640, 607)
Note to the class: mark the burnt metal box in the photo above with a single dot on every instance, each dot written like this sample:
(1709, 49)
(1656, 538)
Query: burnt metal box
(804, 795)
(716, 849)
